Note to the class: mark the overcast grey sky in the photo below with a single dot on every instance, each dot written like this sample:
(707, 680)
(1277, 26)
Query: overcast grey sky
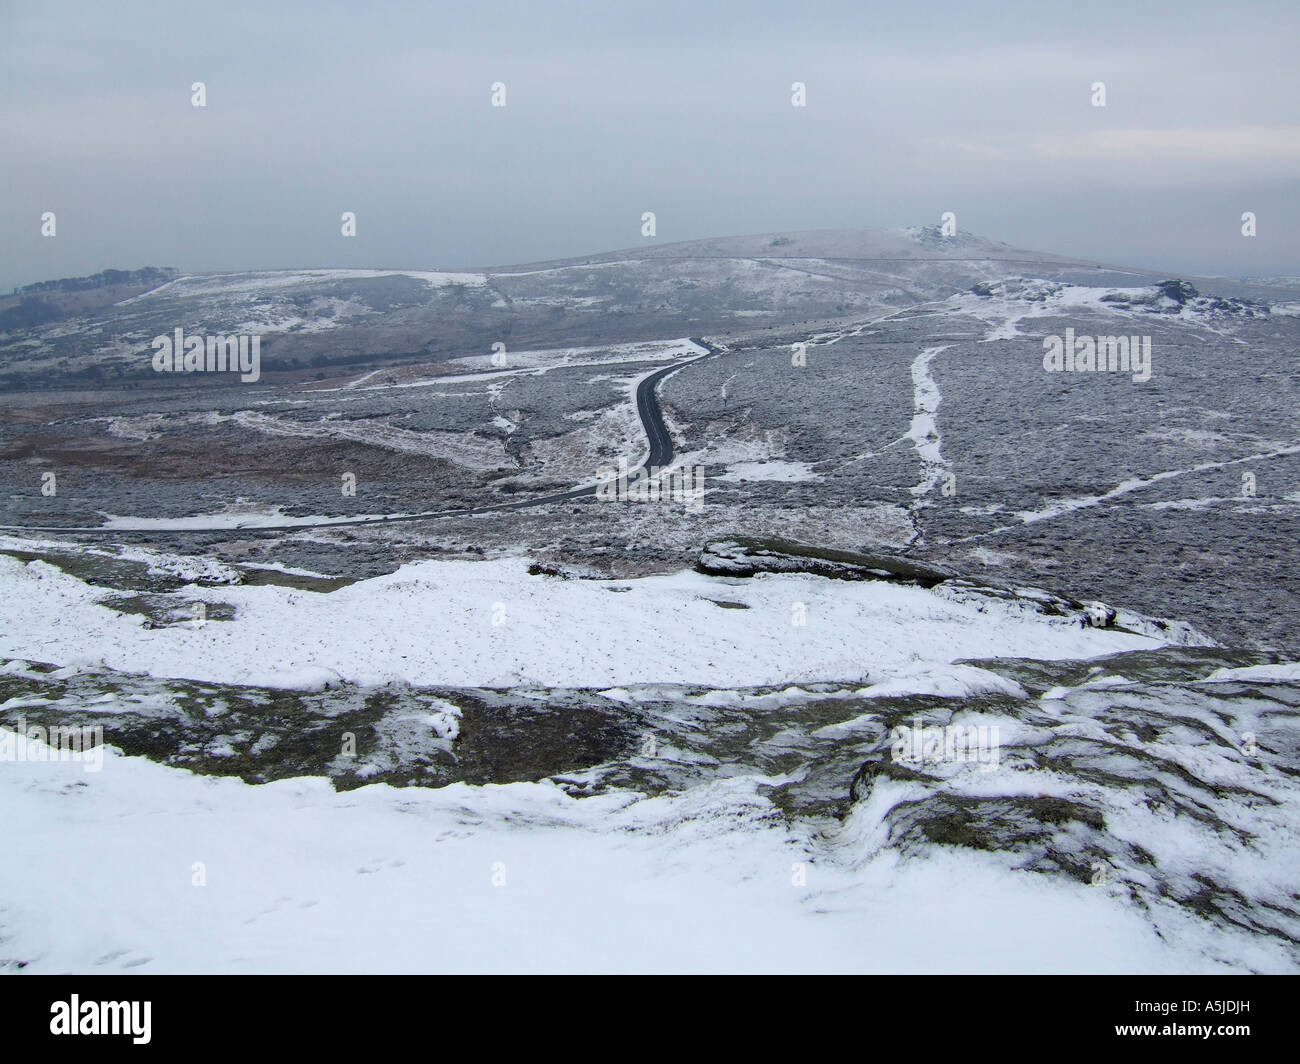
(682, 108)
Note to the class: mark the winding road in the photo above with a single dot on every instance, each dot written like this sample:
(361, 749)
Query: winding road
(647, 408)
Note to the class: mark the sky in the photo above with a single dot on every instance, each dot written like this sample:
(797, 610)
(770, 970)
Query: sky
(615, 109)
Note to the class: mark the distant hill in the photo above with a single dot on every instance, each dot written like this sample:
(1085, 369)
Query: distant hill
(319, 323)
(50, 301)
(912, 243)
(146, 276)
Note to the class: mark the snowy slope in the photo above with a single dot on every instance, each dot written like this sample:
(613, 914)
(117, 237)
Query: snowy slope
(297, 878)
(493, 624)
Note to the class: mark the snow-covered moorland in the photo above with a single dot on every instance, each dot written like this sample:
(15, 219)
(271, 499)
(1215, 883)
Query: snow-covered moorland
(703, 848)
(494, 624)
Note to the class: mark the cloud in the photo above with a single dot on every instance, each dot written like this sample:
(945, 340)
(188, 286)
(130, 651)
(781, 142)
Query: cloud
(1247, 147)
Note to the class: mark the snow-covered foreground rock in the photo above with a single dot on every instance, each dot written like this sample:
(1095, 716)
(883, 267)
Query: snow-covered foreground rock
(492, 624)
(474, 766)
(103, 870)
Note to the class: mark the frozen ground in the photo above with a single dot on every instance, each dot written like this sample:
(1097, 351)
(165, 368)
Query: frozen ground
(744, 795)
(296, 877)
(492, 624)
(528, 736)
